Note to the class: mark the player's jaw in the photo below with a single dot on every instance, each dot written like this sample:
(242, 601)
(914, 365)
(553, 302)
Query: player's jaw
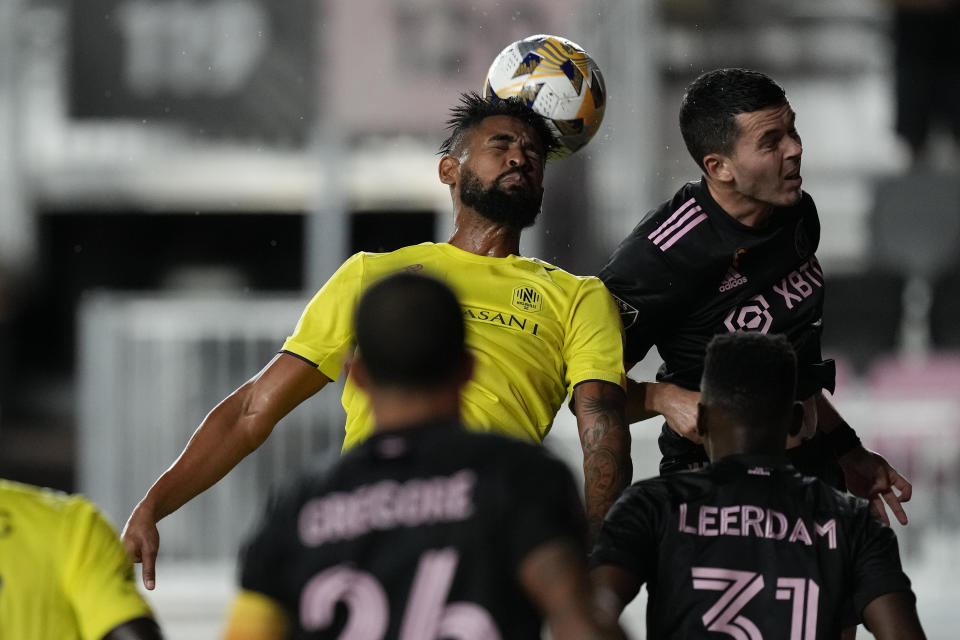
(511, 199)
(777, 186)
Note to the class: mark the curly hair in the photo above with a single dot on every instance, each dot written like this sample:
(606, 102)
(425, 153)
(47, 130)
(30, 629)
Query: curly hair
(751, 375)
(472, 110)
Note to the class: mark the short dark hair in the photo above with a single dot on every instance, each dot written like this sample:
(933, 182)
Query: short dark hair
(409, 331)
(750, 375)
(713, 100)
(473, 109)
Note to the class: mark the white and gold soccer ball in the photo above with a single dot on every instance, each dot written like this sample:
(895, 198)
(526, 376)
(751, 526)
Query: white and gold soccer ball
(559, 80)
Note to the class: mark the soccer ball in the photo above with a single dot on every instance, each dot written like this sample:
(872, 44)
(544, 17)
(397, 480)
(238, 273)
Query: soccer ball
(559, 80)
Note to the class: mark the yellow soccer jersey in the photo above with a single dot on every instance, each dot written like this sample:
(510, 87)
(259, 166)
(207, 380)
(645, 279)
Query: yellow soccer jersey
(64, 573)
(535, 331)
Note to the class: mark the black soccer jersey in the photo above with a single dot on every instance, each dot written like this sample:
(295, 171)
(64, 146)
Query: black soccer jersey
(748, 548)
(690, 271)
(415, 532)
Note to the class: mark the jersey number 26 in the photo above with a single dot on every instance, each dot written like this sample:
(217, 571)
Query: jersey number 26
(427, 613)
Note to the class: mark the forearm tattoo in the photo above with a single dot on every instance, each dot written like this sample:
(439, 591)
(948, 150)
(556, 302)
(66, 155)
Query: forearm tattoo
(605, 438)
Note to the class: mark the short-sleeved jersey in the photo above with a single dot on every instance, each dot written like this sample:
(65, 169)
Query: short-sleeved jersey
(690, 271)
(414, 531)
(64, 574)
(535, 332)
(749, 544)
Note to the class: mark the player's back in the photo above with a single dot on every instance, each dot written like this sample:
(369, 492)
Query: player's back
(749, 548)
(415, 531)
(63, 571)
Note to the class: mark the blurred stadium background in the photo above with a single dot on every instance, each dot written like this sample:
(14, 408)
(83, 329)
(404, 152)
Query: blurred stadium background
(177, 177)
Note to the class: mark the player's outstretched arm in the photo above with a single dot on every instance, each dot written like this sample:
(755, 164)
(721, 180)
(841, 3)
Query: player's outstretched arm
(867, 474)
(235, 428)
(138, 629)
(893, 616)
(637, 401)
(605, 439)
(676, 404)
(554, 575)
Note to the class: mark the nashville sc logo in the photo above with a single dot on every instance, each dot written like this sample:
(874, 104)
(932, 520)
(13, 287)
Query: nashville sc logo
(527, 299)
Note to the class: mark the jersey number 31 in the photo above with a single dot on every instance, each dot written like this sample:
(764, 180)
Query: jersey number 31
(739, 587)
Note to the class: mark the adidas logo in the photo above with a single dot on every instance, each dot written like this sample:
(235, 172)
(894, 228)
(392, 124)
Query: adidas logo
(732, 280)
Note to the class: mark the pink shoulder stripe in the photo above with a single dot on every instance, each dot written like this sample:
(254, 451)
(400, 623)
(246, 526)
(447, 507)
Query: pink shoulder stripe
(671, 218)
(690, 225)
(676, 225)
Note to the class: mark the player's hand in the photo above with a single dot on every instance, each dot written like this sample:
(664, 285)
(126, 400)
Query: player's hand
(142, 541)
(870, 476)
(679, 407)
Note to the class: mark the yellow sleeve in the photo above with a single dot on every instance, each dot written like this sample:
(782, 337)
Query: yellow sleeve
(324, 334)
(593, 337)
(255, 616)
(97, 574)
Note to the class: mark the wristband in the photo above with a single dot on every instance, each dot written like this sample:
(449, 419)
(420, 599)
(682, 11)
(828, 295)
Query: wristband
(843, 439)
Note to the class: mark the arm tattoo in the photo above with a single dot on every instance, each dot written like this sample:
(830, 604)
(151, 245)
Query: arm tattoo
(605, 438)
(603, 404)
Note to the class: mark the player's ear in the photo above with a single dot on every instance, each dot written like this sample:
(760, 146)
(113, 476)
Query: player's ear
(449, 170)
(717, 167)
(796, 418)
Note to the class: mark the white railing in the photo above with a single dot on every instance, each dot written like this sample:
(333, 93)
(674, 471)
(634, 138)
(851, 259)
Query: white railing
(150, 368)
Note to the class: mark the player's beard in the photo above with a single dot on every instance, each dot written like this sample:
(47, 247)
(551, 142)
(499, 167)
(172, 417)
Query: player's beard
(517, 208)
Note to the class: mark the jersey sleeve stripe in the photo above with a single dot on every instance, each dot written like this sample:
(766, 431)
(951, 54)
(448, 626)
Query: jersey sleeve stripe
(673, 217)
(700, 218)
(676, 225)
(299, 357)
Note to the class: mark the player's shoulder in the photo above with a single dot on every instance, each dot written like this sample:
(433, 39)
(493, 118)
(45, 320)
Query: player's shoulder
(670, 222)
(410, 257)
(833, 501)
(681, 486)
(568, 286)
(673, 236)
(492, 449)
(550, 271)
(501, 460)
(19, 497)
(13, 490)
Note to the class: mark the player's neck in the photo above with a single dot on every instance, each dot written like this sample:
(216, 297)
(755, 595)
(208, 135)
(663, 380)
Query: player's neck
(744, 209)
(733, 440)
(481, 236)
(397, 409)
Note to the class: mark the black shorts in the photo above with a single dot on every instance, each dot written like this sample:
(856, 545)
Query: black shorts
(812, 458)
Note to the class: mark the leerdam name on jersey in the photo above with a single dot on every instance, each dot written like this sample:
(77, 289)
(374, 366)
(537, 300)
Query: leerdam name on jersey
(387, 505)
(506, 320)
(757, 522)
